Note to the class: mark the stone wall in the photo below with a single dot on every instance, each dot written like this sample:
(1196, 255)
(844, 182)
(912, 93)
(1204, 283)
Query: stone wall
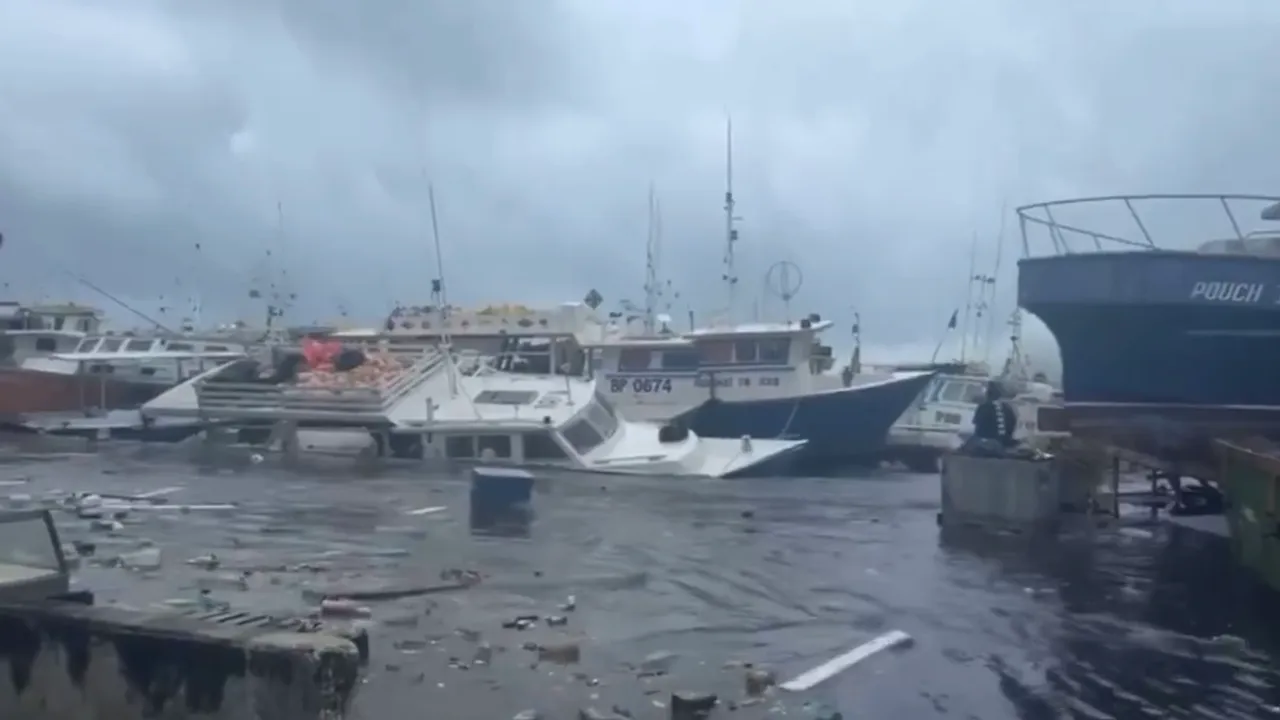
(66, 661)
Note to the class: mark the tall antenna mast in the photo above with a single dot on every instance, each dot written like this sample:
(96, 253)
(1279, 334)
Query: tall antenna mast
(438, 294)
(730, 276)
(651, 265)
(968, 299)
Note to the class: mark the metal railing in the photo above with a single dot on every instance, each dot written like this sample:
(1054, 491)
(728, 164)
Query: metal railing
(250, 400)
(1129, 229)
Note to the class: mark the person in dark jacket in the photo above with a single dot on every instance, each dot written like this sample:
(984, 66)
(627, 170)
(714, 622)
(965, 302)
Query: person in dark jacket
(995, 420)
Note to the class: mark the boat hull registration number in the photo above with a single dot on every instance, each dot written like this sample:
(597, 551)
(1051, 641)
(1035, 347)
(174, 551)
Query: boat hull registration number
(640, 385)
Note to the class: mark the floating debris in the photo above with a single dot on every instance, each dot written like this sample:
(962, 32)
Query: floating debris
(840, 663)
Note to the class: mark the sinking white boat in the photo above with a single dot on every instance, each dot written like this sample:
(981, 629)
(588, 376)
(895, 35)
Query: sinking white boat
(467, 411)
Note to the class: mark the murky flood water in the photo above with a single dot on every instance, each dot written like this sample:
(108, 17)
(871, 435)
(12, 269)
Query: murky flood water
(697, 578)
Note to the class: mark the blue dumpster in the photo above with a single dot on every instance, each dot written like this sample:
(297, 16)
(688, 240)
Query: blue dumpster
(500, 500)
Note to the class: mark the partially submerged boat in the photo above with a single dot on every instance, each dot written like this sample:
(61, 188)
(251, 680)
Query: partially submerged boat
(453, 409)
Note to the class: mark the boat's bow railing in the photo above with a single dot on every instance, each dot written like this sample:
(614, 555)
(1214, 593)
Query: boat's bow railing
(216, 398)
(1123, 223)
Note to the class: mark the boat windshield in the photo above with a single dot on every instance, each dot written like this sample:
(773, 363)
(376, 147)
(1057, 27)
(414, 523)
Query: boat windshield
(598, 423)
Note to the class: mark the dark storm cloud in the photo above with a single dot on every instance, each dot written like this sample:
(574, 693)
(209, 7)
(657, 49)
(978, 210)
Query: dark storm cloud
(874, 140)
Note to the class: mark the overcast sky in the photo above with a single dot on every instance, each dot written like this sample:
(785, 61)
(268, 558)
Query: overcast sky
(147, 144)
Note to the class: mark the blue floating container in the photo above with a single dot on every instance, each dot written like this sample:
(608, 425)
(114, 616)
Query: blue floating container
(500, 497)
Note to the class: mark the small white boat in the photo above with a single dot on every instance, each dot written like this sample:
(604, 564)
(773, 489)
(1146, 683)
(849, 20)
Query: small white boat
(467, 411)
(943, 418)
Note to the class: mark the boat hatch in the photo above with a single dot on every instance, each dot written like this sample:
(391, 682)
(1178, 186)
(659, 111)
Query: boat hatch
(506, 397)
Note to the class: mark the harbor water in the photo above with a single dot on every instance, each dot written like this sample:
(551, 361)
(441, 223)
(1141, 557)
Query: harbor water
(645, 587)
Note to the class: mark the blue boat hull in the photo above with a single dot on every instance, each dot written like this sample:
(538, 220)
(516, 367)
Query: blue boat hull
(842, 426)
(1163, 351)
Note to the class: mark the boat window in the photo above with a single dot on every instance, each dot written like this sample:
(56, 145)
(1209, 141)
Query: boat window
(744, 351)
(460, 446)
(137, 346)
(962, 392)
(102, 369)
(499, 445)
(680, 360)
(775, 350)
(110, 344)
(46, 344)
(215, 348)
(506, 397)
(716, 352)
(582, 436)
(632, 359)
(86, 345)
(58, 322)
(179, 347)
(541, 446)
(82, 325)
(603, 417)
(147, 371)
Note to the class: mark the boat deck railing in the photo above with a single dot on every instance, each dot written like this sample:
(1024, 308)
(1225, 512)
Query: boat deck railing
(1127, 223)
(249, 401)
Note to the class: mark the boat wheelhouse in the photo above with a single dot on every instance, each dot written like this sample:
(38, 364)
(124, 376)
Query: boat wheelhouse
(29, 331)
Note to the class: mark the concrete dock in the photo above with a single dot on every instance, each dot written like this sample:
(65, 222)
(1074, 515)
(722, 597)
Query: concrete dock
(65, 661)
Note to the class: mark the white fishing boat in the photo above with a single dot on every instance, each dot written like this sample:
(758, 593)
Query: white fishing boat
(759, 379)
(943, 417)
(448, 409)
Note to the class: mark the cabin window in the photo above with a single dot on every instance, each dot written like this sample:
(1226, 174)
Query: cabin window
(86, 345)
(680, 360)
(744, 351)
(215, 348)
(45, 344)
(716, 352)
(498, 445)
(137, 346)
(179, 347)
(82, 324)
(147, 371)
(603, 417)
(541, 446)
(58, 322)
(506, 397)
(582, 436)
(634, 359)
(110, 344)
(962, 392)
(102, 369)
(460, 446)
(776, 351)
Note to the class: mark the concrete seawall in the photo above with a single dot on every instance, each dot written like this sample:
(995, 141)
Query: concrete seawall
(63, 661)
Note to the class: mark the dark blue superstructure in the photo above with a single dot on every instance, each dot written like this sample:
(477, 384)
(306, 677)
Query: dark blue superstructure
(844, 425)
(1163, 349)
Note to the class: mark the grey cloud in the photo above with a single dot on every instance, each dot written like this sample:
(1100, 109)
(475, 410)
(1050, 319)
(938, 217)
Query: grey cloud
(874, 141)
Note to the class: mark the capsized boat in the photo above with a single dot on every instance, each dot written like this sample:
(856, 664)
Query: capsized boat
(454, 409)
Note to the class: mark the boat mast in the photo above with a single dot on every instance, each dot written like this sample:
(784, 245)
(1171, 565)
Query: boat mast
(730, 276)
(651, 266)
(438, 295)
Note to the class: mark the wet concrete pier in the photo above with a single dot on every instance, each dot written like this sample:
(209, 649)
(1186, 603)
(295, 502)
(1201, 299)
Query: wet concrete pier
(66, 661)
